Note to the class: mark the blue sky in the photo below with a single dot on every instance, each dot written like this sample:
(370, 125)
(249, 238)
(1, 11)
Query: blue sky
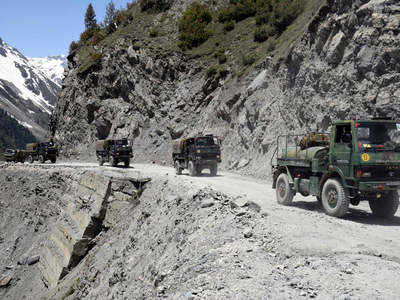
(39, 28)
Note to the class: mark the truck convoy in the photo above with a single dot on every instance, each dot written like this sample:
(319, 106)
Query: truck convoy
(196, 154)
(359, 161)
(34, 152)
(41, 152)
(114, 151)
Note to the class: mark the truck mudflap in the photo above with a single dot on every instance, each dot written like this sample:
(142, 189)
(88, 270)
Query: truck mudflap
(379, 186)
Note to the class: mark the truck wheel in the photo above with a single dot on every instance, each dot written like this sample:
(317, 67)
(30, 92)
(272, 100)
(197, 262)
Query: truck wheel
(30, 159)
(101, 161)
(192, 169)
(284, 193)
(178, 169)
(114, 161)
(214, 170)
(335, 199)
(386, 206)
(127, 162)
(41, 159)
(53, 160)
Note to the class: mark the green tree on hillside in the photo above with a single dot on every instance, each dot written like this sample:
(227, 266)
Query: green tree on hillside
(110, 13)
(90, 18)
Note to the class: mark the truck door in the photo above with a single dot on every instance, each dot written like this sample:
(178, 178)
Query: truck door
(342, 149)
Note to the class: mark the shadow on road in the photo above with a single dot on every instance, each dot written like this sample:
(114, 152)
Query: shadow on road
(354, 214)
(202, 175)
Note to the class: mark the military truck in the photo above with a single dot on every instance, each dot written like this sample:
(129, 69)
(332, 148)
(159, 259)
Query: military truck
(196, 154)
(14, 155)
(42, 152)
(359, 161)
(114, 152)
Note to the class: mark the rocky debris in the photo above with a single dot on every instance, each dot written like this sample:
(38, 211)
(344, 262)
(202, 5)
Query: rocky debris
(29, 260)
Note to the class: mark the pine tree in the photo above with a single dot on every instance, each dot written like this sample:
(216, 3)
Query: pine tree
(90, 18)
(110, 13)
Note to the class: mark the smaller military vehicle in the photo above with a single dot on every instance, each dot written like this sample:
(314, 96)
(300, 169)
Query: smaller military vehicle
(196, 154)
(114, 152)
(13, 155)
(359, 161)
(42, 152)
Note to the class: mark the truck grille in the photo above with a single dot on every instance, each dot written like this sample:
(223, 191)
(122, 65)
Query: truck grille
(382, 173)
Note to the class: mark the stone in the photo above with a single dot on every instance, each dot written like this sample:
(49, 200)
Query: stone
(335, 50)
(207, 203)
(33, 260)
(248, 233)
(5, 280)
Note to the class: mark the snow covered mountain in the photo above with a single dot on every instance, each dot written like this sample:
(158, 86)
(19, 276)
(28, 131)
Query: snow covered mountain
(26, 93)
(51, 66)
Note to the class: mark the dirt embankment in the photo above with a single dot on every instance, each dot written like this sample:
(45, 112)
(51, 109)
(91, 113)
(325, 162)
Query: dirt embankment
(184, 238)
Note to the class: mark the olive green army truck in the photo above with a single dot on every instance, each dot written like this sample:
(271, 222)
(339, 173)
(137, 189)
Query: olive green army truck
(358, 161)
(41, 152)
(114, 152)
(196, 154)
(14, 155)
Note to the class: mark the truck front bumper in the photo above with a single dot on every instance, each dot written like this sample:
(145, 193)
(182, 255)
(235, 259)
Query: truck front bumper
(376, 186)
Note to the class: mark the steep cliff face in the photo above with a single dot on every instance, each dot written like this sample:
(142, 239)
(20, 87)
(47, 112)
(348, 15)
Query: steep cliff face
(345, 62)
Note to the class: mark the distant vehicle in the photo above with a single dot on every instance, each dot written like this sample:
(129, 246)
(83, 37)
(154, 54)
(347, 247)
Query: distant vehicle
(360, 161)
(196, 154)
(13, 155)
(41, 152)
(114, 152)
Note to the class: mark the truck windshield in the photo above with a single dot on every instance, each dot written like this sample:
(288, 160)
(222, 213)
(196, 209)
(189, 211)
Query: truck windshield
(121, 142)
(205, 141)
(378, 136)
(48, 144)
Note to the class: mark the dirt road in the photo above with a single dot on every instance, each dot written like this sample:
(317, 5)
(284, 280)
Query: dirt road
(305, 224)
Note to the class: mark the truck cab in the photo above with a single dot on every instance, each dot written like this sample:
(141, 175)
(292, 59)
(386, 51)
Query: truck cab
(360, 163)
(196, 154)
(114, 151)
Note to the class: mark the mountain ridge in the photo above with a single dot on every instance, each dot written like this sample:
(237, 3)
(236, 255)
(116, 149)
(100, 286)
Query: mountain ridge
(26, 94)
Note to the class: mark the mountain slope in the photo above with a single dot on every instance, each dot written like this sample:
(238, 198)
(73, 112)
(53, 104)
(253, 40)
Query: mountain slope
(25, 92)
(13, 134)
(336, 61)
(52, 66)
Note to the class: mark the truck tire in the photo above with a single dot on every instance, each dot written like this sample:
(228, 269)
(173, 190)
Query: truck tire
(386, 206)
(214, 170)
(178, 169)
(41, 159)
(53, 160)
(335, 198)
(30, 159)
(284, 193)
(192, 169)
(101, 162)
(127, 163)
(114, 162)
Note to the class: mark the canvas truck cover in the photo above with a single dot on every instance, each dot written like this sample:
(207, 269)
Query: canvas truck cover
(177, 146)
(32, 147)
(314, 139)
(101, 145)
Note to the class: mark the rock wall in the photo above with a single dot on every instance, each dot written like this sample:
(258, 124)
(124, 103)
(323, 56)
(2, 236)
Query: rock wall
(50, 220)
(345, 65)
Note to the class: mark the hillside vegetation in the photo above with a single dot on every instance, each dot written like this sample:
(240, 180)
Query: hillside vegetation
(235, 33)
(13, 134)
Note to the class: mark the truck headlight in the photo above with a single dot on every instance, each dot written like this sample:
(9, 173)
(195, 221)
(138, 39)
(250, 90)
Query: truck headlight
(363, 174)
(198, 151)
